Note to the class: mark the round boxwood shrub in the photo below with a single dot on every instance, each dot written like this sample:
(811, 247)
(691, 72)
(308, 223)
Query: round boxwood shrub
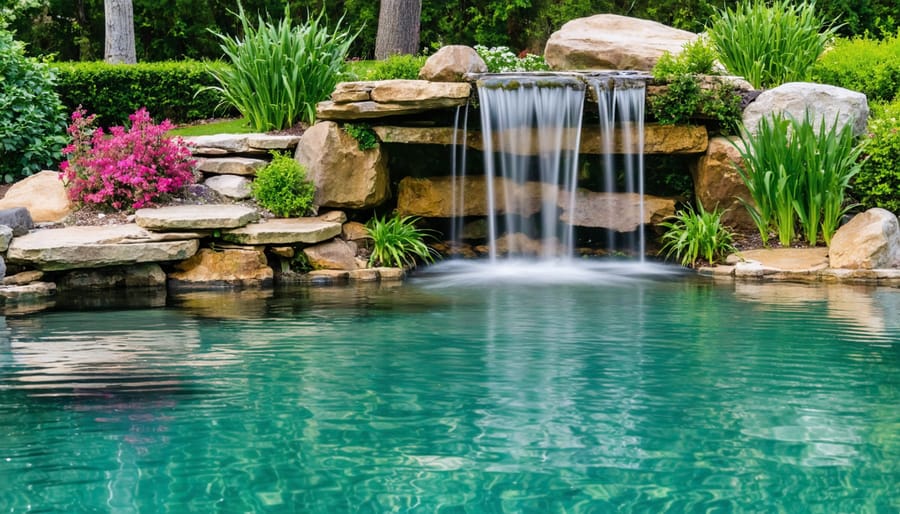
(282, 187)
(32, 121)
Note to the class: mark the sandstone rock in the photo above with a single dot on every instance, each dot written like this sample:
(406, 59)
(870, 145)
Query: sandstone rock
(231, 267)
(139, 275)
(420, 91)
(6, 235)
(609, 41)
(326, 277)
(615, 211)
(452, 63)
(344, 175)
(285, 252)
(718, 185)
(658, 139)
(231, 186)
(42, 194)
(22, 278)
(231, 165)
(17, 219)
(390, 274)
(333, 216)
(334, 255)
(2, 268)
(368, 109)
(364, 275)
(272, 142)
(98, 246)
(218, 143)
(360, 100)
(870, 240)
(347, 92)
(824, 102)
(195, 217)
(354, 231)
(281, 231)
(770, 260)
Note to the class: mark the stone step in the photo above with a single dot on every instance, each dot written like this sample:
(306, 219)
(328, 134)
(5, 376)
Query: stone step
(231, 165)
(658, 139)
(195, 217)
(280, 231)
(223, 144)
(99, 246)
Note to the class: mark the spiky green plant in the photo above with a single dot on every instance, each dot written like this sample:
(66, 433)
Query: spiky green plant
(396, 241)
(694, 234)
(770, 44)
(280, 71)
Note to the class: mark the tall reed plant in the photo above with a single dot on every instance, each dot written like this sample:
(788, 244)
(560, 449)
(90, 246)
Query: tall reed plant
(798, 175)
(280, 71)
(770, 44)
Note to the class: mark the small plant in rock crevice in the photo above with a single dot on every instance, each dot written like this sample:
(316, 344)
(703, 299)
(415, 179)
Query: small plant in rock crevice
(500, 59)
(694, 234)
(363, 134)
(283, 188)
(397, 67)
(129, 168)
(396, 241)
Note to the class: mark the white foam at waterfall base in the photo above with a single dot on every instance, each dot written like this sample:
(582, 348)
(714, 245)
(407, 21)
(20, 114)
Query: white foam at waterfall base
(561, 271)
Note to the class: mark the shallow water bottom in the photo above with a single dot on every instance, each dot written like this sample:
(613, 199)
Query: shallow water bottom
(461, 391)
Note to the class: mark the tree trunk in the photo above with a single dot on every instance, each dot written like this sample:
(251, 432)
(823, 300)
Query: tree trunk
(119, 16)
(398, 28)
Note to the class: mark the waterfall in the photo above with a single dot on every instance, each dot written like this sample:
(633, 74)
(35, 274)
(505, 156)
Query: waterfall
(531, 134)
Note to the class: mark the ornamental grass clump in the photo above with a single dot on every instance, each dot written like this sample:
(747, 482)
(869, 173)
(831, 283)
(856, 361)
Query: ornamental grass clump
(798, 175)
(398, 242)
(694, 234)
(283, 188)
(126, 169)
(770, 44)
(280, 71)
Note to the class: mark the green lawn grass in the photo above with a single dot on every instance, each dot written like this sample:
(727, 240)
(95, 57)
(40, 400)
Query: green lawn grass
(360, 69)
(229, 126)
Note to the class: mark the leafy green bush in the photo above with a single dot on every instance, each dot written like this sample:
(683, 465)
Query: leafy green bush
(397, 242)
(862, 64)
(797, 173)
(501, 59)
(32, 121)
(397, 67)
(684, 99)
(282, 187)
(878, 181)
(693, 234)
(177, 91)
(363, 134)
(281, 71)
(770, 45)
(696, 58)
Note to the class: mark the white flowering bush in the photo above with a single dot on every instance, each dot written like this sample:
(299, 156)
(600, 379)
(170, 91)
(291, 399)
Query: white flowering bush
(501, 59)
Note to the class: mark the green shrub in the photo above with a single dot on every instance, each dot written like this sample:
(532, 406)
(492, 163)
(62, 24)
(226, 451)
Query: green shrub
(501, 59)
(862, 64)
(769, 45)
(363, 134)
(281, 71)
(684, 99)
(32, 121)
(397, 67)
(878, 181)
(695, 234)
(696, 58)
(177, 91)
(282, 187)
(797, 173)
(397, 242)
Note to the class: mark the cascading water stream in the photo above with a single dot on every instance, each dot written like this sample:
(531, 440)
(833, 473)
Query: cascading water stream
(531, 130)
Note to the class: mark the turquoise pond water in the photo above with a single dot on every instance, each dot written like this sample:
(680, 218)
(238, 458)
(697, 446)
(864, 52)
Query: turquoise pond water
(460, 393)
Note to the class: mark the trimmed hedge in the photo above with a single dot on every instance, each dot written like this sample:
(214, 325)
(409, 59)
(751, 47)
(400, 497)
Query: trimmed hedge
(169, 90)
(860, 64)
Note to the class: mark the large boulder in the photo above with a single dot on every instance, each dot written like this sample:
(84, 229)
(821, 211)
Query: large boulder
(718, 185)
(452, 63)
(821, 101)
(344, 175)
(612, 42)
(42, 194)
(870, 240)
(229, 267)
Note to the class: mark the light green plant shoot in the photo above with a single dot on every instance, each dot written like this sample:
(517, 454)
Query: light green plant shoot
(396, 241)
(694, 234)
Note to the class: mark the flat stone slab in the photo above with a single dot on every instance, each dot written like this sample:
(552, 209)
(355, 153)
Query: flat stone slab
(218, 143)
(284, 231)
(98, 246)
(783, 259)
(231, 165)
(272, 142)
(195, 217)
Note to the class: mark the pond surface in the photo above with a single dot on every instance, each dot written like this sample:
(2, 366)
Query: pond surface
(644, 393)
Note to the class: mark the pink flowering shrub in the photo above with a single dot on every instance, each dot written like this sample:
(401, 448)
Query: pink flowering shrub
(127, 168)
